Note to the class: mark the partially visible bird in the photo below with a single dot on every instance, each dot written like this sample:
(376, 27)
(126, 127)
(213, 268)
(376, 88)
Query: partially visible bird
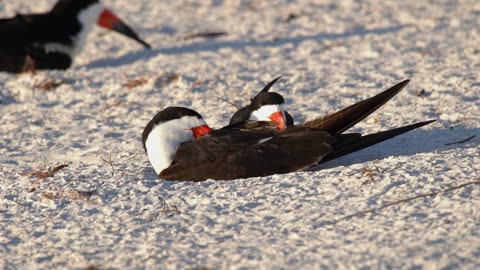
(265, 106)
(52, 40)
(269, 106)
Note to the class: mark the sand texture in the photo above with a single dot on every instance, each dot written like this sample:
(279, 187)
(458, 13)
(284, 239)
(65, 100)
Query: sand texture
(108, 210)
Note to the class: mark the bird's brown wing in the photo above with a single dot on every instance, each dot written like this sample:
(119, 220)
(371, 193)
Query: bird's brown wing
(342, 120)
(349, 143)
(222, 141)
(227, 158)
(240, 115)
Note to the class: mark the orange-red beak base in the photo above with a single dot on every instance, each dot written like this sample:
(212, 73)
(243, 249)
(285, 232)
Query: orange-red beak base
(110, 21)
(278, 118)
(200, 131)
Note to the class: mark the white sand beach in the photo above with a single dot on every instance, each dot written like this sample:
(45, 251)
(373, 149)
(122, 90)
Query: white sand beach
(412, 202)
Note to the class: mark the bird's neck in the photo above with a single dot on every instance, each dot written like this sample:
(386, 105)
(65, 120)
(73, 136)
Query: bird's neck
(165, 138)
(86, 19)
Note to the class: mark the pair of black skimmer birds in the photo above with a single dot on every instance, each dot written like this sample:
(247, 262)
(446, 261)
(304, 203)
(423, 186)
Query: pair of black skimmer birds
(51, 40)
(260, 140)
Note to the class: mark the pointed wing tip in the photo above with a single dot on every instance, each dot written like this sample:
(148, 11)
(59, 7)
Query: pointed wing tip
(270, 84)
(427, 122)
(421, 124)
(403, 83)
(392, 91)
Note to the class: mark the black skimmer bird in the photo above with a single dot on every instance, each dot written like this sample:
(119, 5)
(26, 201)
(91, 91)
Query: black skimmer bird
(265, 106)
(268, 106)
(51, 40)
(181, 146)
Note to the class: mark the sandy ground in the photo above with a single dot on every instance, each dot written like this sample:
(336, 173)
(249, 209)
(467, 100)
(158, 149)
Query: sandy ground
(107, 209)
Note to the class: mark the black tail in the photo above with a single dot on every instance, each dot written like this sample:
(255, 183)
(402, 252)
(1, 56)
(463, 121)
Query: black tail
(344, 119)
(347, 147)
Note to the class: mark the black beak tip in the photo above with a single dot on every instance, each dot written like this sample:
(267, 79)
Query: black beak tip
(141, 41)
(127, 31)
(145, 44)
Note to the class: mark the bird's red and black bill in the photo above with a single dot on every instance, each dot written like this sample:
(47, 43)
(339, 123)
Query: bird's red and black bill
(278, 118)
(110, 21)
(200, 131)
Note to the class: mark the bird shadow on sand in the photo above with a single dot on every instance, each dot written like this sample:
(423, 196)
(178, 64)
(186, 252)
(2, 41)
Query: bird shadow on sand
(6, 100)
(436, 140)
(236, 44)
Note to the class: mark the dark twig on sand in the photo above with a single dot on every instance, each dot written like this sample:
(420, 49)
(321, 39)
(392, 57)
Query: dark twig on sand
(70, 195)
(431, 194)
(109, 161)
(168, 210)
(228, 101)
(40, 175)
(208, 34)
(462, 141)
(421, 93)
(167, 79)
(133, 83)
(49, 85)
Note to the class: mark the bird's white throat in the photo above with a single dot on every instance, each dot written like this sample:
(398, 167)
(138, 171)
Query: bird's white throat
(264, 112)
(88, 18)
(165, 138)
